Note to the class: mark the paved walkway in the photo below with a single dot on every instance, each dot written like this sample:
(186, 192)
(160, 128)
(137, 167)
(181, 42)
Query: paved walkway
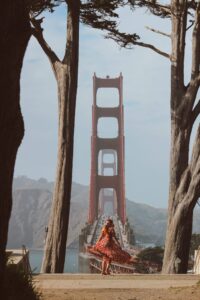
(94, 281)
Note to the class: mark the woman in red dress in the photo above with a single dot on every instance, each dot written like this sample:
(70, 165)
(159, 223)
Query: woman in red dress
(108, 248)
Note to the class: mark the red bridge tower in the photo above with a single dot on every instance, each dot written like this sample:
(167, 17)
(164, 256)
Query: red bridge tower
(100, 183)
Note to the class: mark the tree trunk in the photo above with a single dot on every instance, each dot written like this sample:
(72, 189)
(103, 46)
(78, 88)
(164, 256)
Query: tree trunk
(184, 189)
(183, 192)
(181, 201)
(183, 195)
(67, 76)
(180, 213)
(178, 241)
(14, 37)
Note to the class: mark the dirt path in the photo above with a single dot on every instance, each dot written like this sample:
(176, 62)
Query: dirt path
(118, 287)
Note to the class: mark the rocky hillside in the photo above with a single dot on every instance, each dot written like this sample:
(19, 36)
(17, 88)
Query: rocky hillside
(31, 208)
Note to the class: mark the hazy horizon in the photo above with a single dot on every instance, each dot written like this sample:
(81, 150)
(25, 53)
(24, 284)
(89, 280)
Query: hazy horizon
(74, 182)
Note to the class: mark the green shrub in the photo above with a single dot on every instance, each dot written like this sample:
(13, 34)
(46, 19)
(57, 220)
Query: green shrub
(18, 286)
(154, 255)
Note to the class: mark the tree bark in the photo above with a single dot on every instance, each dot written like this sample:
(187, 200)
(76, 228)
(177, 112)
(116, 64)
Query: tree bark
(184, 193)
(178, 241)
(66, 73)
(14, 36)
(184, 178)
(179, 214)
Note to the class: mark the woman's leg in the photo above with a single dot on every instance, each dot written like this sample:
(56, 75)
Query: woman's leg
(103, 266)
(108, 262)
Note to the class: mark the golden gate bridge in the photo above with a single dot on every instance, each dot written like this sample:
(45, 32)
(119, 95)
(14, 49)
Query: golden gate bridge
(107, 188)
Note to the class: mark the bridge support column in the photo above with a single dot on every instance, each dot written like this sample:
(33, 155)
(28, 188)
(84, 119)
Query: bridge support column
(115, 146)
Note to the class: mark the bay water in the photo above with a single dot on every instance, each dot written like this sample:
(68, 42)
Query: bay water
(73, 262)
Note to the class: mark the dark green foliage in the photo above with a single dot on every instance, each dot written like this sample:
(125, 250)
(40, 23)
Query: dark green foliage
(195, 243)
(99, 14)
(36, 7)
(18, 286)
(154, 255)
(102, 14)
(155, 7)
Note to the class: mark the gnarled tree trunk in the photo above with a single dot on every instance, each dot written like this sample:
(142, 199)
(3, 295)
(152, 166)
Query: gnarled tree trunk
(184, 188)
(66, 73)
(14, 37)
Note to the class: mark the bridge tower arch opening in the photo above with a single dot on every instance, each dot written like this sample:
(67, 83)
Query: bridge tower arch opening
(107, 127)
(107, 163)
(107, 174)
(107, 204)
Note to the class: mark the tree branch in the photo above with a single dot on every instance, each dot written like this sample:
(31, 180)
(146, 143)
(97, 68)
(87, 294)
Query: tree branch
(195, 112)
(158, 31)
(184, 184)
(37, 31)
(192, 23)
(196, 43)
(36, 7)
(155, 7)
(194, 186)
(71, 2)
(190, 97)
(194, 165)
(129, 40)
(189, 189)
(145, 45)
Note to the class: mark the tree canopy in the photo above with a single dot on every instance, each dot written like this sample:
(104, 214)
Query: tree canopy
(99, 14)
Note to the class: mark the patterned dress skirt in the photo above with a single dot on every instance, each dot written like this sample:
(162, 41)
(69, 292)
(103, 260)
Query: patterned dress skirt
(108, 249)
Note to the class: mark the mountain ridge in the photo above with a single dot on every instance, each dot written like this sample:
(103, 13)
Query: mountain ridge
(31, 209)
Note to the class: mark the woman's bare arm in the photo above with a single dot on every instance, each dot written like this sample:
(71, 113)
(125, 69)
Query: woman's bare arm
(115, 238)
(101, 236)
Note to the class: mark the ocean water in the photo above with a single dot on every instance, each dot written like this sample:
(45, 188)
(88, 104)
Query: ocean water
(73, 263)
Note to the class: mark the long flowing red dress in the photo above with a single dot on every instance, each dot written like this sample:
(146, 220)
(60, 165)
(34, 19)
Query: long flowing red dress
(108, 248)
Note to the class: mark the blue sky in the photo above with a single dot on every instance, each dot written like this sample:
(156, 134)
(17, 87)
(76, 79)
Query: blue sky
(146, 105)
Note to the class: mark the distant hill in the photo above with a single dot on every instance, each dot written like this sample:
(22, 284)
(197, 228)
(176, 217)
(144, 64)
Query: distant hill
(149, 223)
(31, 208)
